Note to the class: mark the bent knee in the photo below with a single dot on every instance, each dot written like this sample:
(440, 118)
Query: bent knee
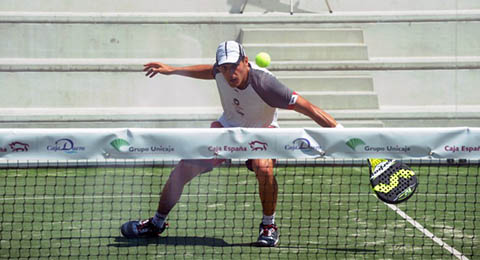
(189, 169)
(262, 167)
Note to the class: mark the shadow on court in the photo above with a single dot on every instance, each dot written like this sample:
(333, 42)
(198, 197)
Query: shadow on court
(216, 242)
(175, 241)
(121, 242)
(346, 250)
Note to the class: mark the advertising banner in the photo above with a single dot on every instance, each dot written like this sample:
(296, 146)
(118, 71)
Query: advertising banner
(239, 143)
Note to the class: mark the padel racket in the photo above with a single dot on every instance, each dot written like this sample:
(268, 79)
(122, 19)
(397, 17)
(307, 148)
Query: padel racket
(392, 181)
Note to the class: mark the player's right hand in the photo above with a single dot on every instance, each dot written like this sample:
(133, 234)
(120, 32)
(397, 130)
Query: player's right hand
(153, 68)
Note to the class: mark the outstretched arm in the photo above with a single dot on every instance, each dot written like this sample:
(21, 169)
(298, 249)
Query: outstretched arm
(196, 71)
(318, 115)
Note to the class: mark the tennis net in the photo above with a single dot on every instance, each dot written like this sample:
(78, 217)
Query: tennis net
(326, 209)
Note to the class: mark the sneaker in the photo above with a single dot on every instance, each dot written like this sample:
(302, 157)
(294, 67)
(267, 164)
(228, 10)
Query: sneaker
(268, 236)
(141, 228)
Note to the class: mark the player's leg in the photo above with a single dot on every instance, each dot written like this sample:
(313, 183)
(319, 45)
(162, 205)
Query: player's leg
(268, 190)
(267, 184)
(183, 173)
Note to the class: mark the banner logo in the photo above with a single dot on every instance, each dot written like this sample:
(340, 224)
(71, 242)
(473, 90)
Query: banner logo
(258, 146)
(304, 145)
(123, 146)
(19, 147)
(354, 142)
(15, 147)
(461, 148)
(255, 145)
(120, 145)
(65, 145)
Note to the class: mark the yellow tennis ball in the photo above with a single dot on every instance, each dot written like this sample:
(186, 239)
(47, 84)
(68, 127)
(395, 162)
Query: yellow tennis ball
(262, 59)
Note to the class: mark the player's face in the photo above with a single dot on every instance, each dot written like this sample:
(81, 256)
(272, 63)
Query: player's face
(235, 74)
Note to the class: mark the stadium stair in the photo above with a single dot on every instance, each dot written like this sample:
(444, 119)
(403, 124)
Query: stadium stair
(302, 46)
(79, 64)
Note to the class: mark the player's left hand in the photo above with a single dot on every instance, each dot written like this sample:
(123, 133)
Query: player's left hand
(153, 68)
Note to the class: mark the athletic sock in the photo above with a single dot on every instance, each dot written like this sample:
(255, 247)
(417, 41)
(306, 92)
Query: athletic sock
(268, 220)
(159, 219)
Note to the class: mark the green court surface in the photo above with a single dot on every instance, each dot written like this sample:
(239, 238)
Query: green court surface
(323, 212)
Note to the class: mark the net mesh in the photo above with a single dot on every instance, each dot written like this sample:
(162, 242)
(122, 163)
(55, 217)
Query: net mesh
(324, 210)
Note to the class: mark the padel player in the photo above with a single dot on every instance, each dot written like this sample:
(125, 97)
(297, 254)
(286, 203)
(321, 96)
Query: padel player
(250, 97)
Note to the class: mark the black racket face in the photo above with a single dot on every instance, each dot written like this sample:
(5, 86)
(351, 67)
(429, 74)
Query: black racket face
(392, 181)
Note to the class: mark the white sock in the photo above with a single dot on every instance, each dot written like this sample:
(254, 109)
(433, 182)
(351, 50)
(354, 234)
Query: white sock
(159, 219)
(268, 220)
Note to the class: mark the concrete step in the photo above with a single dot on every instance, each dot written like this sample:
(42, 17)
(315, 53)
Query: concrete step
(131, 40)
(342, 100)
(158, 117)
(328, 83)
(106, 40)
(91, 89)
(283, 67)
(400, 116)
(440, 116)
(132, 89)
(345, 123)
(309, 52)
(189, 35)
(300, 35)
(222, 6)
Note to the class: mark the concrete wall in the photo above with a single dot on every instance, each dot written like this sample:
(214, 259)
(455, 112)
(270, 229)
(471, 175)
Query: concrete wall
(233, 6)
(196, 38)
(121, 90)
(126, 46)
(85, 65)
(427, 88)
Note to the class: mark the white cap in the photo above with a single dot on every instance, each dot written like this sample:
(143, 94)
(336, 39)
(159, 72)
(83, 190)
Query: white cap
(229, 52)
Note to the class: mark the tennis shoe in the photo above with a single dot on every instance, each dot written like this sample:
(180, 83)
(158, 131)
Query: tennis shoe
(268, 236)
(141, 229)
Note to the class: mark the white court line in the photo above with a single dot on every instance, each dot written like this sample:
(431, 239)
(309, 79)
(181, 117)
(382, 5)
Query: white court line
(427, 233)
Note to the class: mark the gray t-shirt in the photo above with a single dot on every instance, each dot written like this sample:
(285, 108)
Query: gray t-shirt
(254, 106)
